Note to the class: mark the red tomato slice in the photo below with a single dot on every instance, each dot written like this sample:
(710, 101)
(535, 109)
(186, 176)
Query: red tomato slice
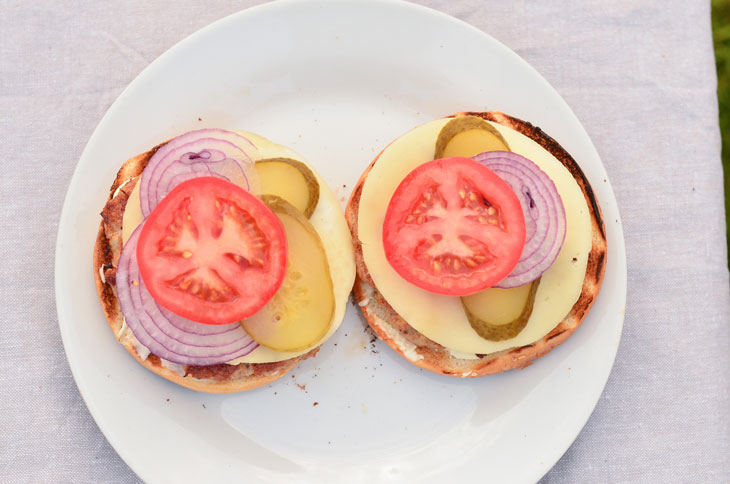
(453, 227)
(212, 252)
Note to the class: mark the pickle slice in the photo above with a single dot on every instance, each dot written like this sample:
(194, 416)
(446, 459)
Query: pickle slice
(300, 313)
(468, 136)
(291, 180)
(500, 314)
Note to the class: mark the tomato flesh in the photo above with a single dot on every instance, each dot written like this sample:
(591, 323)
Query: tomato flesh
(212, 252)
(453, 227)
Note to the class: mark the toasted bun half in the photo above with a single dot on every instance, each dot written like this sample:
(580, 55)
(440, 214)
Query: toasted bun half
(425, 353)
(222, 378)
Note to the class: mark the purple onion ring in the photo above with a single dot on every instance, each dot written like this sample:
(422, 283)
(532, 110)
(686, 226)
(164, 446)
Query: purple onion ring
(545, 221)
(205, 152)
(167, 335)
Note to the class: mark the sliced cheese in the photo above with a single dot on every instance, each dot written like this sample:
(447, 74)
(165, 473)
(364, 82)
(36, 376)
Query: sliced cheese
(331, 226)
(132, 216)
(442, 318)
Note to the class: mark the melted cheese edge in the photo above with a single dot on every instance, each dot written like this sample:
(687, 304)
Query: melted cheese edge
(442, 318)
(329, 221)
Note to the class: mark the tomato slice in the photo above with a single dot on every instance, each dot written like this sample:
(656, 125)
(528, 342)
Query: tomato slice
(212, 252)
(453, 227)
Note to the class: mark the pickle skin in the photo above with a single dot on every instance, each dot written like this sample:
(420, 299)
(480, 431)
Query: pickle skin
(501, 332)
(448, 145)
(301, 311)
(278, 178)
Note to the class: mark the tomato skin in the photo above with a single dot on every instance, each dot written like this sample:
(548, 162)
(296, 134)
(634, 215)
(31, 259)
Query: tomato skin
(453, 227)
(212, 252)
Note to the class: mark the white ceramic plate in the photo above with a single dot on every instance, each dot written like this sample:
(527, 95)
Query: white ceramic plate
(336, 81)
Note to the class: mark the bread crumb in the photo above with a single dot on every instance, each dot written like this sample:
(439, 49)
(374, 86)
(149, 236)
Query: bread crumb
(315, 404)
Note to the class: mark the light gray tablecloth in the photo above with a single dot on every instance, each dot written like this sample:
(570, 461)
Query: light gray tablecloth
(638, 73)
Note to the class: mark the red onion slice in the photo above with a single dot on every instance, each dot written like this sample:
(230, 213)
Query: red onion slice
(179, 172)
(205, 152)
(542, 206)
(167, 335)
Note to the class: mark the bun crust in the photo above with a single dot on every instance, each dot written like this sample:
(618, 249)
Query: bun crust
(222, 378)
(425, 353)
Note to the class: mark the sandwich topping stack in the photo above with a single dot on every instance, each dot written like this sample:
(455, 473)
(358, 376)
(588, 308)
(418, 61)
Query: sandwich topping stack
(222, 260)
(475, 245)
(479, 244)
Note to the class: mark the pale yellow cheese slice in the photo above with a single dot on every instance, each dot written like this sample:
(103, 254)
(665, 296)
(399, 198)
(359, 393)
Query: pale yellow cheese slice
(442, 318)
(327, 219)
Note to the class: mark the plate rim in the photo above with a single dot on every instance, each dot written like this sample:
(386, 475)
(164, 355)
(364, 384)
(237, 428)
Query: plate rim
(240, 16)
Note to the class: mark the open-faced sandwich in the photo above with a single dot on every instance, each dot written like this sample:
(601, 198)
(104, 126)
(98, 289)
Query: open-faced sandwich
(222, 260)
(478, 242)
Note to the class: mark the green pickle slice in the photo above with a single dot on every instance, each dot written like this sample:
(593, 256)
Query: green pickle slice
(467, 136)
(500, 314)
(300, 313)
(291, 180)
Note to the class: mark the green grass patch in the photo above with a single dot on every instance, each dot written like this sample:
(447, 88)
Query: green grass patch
(721, 36)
